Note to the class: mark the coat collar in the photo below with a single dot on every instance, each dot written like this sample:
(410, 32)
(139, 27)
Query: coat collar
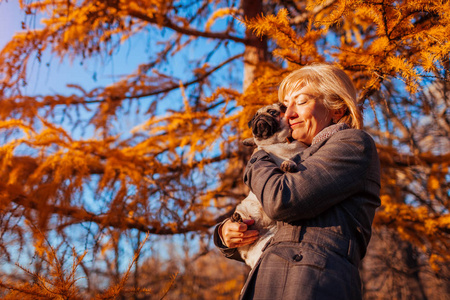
(328, 132)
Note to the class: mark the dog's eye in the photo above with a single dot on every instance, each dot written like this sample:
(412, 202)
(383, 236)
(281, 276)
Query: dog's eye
(274, 112)
(282, 107)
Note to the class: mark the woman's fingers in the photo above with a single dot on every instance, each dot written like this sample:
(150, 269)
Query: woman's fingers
(236, 234)
(248, 238)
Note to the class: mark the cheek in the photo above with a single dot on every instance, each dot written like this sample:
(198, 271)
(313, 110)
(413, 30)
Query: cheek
(305, 113)
(321, 117)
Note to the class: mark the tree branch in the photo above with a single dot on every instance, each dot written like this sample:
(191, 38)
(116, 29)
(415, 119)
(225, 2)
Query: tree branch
(152, 93)
(187, 31)
(81, 215)
(306, 15)
(390, 157)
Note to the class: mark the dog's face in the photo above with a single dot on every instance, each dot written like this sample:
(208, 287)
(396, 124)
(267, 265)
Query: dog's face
(268, 124)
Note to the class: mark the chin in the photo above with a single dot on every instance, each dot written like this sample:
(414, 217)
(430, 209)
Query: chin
(302, 140)
(298, 137)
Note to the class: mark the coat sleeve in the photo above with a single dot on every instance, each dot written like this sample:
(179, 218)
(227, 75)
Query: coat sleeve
(230, 253)
(327, 175)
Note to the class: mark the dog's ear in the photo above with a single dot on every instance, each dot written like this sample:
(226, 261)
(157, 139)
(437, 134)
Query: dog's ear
(250, 123)
(249, 142)
(282, 107)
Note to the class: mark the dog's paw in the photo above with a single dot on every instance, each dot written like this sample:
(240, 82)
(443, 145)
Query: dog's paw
(288, 166)
(236, 217)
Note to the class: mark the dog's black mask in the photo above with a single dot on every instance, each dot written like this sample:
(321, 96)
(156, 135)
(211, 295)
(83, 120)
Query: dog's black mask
(264, 125)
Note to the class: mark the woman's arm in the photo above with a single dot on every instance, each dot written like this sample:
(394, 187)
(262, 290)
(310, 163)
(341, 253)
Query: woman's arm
(327, 174)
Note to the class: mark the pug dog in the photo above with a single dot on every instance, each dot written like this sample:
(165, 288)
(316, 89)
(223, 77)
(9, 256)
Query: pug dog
(271, 133)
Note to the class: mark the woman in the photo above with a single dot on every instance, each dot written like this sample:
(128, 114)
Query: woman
(324, 211)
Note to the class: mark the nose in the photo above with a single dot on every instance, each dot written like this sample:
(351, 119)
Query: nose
(290, 112)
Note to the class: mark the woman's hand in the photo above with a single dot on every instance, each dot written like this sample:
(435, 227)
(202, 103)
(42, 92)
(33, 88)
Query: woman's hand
(235, 234)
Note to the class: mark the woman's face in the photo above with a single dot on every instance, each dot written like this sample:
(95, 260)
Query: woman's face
(306, 114)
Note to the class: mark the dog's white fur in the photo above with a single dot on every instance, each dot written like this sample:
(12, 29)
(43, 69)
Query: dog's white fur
(281, 152)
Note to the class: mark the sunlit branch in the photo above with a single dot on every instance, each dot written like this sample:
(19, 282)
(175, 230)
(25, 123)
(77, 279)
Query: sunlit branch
(166, 22)
(390, 157)
(306, 15)
(152, 93)
(80, 215)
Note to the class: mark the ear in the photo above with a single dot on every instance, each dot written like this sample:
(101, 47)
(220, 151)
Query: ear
(249, 142)
(250, 123)
(337, 114)
(282, 107)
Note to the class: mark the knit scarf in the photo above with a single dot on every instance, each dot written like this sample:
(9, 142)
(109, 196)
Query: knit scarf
(329, 131)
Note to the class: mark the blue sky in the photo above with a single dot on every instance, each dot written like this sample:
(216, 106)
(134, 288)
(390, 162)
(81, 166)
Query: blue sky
(10, 18)
(53, 79)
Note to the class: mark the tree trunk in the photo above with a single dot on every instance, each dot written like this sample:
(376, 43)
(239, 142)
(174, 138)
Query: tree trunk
(256, 48)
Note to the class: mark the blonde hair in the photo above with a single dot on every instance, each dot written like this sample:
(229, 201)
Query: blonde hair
(332, 83)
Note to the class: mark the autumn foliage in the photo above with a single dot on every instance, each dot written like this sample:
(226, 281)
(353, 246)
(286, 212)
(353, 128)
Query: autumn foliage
(75, 174)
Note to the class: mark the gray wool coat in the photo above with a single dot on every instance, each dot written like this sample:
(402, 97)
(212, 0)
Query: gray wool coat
(324, 213)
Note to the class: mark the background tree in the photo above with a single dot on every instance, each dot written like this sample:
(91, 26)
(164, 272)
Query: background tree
(159, 150)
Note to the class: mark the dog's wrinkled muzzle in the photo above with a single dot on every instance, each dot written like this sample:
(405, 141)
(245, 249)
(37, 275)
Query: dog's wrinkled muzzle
(264, 126)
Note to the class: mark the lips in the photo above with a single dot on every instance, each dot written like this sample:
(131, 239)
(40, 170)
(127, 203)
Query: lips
(292, 125)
